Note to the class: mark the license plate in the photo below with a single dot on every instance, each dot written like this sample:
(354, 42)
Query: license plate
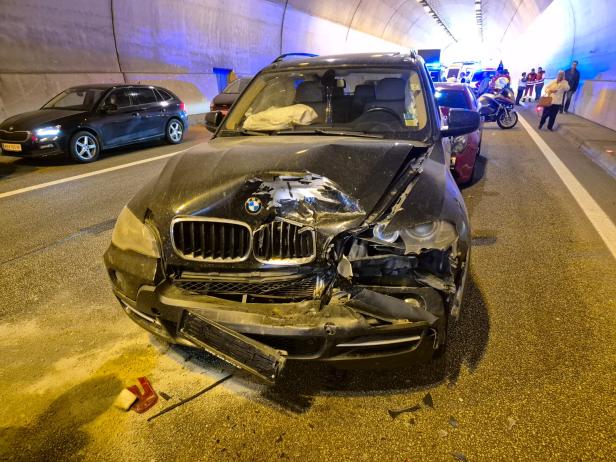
(11, 147)
(233, 347)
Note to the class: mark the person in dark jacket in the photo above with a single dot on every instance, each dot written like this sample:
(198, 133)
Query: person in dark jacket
(572, 75)
(539, 83)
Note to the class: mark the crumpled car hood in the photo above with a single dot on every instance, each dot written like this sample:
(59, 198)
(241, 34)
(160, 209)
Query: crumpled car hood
(304, 178)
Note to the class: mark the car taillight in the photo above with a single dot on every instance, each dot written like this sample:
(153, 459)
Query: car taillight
(182, 106)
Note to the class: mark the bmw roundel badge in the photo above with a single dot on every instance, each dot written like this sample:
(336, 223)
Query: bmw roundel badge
(253, 205)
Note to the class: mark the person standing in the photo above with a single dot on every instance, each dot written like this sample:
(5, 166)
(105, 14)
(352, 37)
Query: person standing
(521, 88)
(572, 75)
(530, 85)
(556, 90)
(539, 83)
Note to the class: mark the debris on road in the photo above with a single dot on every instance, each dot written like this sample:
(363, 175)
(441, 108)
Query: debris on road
(459, 456)
(428, 401)
(396, 412)
(510, 423)
(453, 422)
(145, 400)
(164, 396)
(190, 398)
(443, 433)
(125, 400)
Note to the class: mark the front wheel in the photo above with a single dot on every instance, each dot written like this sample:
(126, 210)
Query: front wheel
(507, 119)
(84, 147)
(175, 132)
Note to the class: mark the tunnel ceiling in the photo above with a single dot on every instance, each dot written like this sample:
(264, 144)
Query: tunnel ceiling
(405, 22)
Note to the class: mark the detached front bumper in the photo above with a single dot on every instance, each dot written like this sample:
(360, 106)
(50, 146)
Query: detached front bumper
(337, 332)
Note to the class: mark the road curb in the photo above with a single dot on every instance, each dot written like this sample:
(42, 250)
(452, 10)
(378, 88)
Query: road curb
(603, 153)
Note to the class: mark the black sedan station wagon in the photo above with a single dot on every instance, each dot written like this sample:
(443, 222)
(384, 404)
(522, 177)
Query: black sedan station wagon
(82, 121)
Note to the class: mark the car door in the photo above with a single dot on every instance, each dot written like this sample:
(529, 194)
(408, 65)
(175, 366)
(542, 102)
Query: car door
(121, 121)
(152, 112)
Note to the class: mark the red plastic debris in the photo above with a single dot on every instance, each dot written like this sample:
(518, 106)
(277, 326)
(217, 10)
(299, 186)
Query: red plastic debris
(145, 400)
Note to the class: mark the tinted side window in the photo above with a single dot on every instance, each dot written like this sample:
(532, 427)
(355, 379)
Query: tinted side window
(472, 98)
(452, 99)
(165, 95)
(144, 95)
(118, 97)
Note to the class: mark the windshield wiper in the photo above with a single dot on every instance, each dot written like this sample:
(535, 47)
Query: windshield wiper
(320, 131)
(243, 131)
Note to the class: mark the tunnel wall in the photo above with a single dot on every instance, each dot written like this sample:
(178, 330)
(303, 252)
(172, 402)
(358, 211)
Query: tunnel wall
(573, 29)
(46, 46)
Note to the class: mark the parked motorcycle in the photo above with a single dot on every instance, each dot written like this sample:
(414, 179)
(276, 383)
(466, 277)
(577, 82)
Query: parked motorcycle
(499, 108)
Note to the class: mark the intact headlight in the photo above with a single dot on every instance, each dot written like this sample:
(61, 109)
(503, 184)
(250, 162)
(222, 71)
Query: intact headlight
(458, 144)
(130, 233)
(48, 131)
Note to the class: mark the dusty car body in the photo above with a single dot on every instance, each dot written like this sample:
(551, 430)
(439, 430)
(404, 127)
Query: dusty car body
(309, 245)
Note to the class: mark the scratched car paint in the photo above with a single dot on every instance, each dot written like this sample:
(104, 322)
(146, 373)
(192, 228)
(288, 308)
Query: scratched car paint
(342, 240)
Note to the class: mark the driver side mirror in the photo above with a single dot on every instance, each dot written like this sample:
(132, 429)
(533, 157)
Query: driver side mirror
(461, 122)
(109, 107)
(213, 120)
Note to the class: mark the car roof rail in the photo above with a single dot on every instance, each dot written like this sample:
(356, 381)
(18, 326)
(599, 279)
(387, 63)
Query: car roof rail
(287, 55)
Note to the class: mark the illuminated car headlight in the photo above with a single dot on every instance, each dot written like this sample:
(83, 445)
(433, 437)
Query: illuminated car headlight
(130, 233)
(48, 131)
(458, 144)
(380, 234)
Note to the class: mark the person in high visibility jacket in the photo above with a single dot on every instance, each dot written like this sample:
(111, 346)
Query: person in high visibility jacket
(530, 85)
(539, 83)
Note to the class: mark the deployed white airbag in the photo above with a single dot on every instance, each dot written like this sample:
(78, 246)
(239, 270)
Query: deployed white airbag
(280, 118)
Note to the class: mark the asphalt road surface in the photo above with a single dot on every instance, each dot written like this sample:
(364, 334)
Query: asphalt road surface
(530, 374)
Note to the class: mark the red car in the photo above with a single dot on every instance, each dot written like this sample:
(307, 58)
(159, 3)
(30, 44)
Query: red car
(465, 148)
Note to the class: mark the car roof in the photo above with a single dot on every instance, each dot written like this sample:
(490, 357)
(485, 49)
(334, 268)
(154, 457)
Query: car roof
(347, 60)
(105, 86)
(449, 86)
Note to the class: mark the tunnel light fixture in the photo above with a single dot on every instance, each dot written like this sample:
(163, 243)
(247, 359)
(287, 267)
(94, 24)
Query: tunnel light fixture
(479, 17)
(428, 9)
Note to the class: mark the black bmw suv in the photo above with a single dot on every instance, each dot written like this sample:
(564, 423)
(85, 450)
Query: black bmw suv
(82, 121)
(321, 223)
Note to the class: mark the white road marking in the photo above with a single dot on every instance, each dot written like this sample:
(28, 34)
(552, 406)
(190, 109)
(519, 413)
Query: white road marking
(601, 222)
(86, 175)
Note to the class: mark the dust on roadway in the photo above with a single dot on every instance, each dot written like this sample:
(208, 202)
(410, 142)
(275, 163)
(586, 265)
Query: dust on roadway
(529, 376)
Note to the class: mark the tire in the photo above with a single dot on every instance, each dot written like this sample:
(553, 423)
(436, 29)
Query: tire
(174, 132)
(84, 147)
(505, 124)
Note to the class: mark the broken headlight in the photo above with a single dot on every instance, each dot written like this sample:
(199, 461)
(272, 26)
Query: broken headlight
(381, 234)
(130, 233)
(433, 235)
